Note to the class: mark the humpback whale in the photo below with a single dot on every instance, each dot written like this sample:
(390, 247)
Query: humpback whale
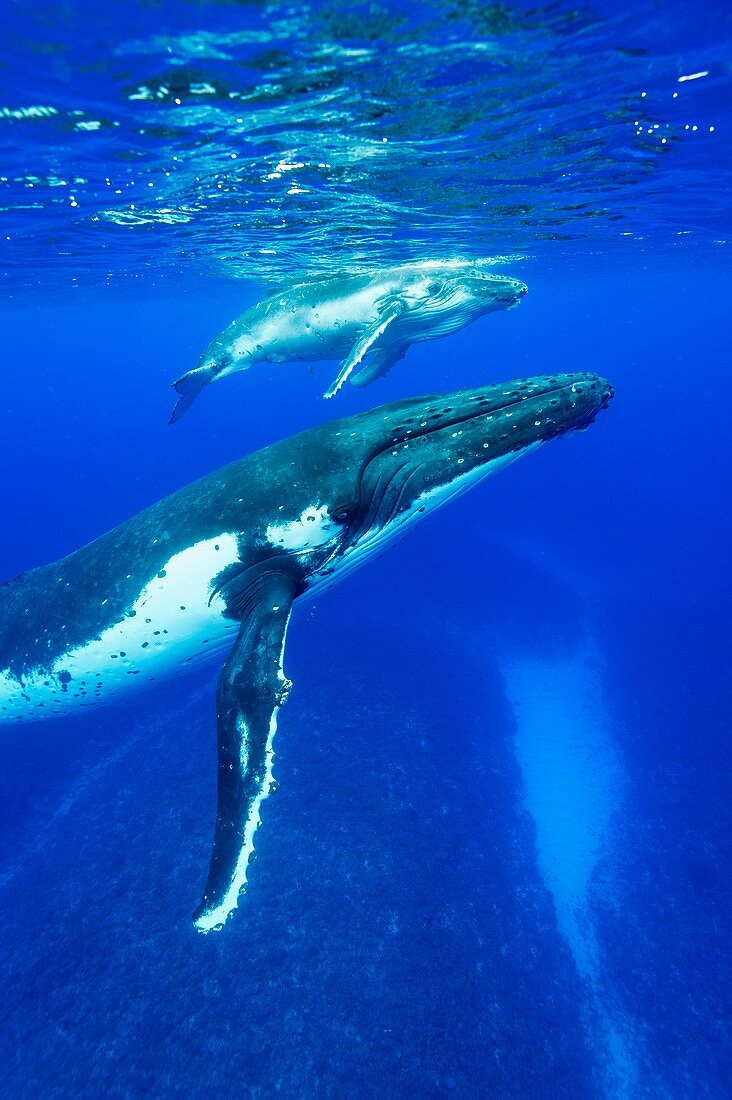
(217, 566)
(367, 321)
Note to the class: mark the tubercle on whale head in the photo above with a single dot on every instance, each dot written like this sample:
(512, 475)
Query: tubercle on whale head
(406, 458)
(473, 291)
(343, 485)
(562, 399)
(502, 291)
(504, 415)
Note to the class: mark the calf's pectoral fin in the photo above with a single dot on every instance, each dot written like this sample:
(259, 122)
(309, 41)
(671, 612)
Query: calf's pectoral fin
(378, 365)
(251, 690)
(368, 342)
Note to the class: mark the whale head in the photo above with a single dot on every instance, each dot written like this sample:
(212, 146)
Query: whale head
(357, 484)
(449, 295)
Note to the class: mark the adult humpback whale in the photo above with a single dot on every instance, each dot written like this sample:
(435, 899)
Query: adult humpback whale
(368, 321)
(223, 559)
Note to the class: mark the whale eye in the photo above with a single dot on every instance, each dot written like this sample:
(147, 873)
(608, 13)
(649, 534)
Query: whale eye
(343, 511)
(434, 287)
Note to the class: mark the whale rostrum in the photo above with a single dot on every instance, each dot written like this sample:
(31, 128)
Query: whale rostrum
(217, 566)
(366, 321)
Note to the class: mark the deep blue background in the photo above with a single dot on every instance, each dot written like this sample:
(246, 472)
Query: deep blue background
(396, 938)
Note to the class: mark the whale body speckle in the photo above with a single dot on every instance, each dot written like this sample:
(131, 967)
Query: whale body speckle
(367, 321)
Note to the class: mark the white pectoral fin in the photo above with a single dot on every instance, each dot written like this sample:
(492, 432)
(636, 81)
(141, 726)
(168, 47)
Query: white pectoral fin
(369, 341)
(251, 690)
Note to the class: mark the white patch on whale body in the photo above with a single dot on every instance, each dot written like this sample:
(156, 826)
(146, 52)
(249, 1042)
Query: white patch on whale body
(309, 531)
(244, 746)
(214, 919)
(173, 621)
(13, 701)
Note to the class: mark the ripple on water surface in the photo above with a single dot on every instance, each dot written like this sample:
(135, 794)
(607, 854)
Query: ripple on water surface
(246, 139)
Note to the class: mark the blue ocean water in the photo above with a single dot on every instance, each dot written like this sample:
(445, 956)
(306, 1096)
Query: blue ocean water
(498, 862)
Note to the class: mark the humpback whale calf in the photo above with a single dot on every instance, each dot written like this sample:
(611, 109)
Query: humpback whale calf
(368, 321)
(217, 566)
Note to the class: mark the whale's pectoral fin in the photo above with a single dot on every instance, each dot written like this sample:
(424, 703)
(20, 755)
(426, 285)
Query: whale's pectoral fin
(251, 690)
(369, 341)
(378, 365)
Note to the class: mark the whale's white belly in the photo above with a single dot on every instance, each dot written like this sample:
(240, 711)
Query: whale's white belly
(174, 622)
